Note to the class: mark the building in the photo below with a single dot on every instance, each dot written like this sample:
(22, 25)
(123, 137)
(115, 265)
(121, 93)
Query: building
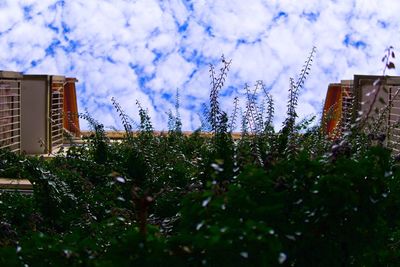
(35, 110)
(372, 100)
(10, 110)
(42, 113)
(71, 119)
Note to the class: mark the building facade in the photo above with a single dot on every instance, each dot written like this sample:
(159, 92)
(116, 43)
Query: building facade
(33, 111)
(371, 101)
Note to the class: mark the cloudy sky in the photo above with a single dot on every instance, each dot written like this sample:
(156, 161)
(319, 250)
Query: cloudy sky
(147, 49)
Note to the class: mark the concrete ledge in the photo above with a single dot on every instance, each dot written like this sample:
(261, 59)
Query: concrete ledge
(121, 134)
(16, 184)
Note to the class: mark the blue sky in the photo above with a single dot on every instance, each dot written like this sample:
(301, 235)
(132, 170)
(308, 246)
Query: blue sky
(145, 49)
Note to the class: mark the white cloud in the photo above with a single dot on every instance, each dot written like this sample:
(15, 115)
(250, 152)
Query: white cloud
(173, 73)
(145, 49)
(236, 19)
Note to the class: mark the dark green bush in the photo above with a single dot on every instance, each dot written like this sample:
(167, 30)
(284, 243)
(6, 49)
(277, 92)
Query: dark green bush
(289, 198)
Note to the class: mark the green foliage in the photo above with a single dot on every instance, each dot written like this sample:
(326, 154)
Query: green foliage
(289, 198)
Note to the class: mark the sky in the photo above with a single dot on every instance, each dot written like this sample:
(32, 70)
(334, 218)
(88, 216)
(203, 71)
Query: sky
(146, 50)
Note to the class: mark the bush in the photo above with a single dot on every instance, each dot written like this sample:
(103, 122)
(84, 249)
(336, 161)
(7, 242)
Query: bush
(289, 198)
